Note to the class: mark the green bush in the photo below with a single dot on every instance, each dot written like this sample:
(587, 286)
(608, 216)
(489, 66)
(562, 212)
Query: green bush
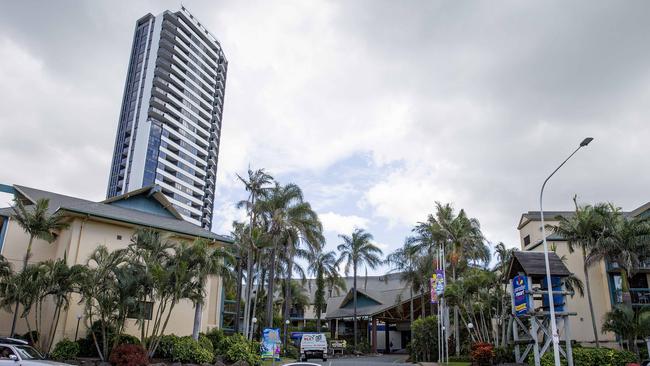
(591, 357)
(187, 350)
(65, 350)
(241, 351)
(504, 355)
(165, 348)
(216, 337)
(424, 342)
(129, 339)
(206, 343)
(87, 347)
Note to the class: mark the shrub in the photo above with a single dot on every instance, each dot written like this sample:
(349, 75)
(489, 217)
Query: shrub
(129, 339)
(482, 353)
(241, 351)
(592, 357)
(165, 348)
(216, 337)
(86, 347)
(206, 343)
(30, 337)
(65, 350)
(424, 343)
(504, 355)
(187, 350)
(129, 355)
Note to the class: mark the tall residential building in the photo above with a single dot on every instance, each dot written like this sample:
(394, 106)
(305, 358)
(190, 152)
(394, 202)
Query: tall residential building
(170, 122)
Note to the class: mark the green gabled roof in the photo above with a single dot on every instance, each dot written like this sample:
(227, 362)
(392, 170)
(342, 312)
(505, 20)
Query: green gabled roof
(115, 212)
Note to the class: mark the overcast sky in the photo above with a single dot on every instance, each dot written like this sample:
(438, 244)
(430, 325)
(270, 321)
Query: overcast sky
(376, 109)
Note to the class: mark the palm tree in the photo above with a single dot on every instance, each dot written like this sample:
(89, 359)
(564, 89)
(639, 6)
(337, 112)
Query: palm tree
(357, 250)
(626, 243)
(322, 265)
(38, 223)
(629, 324)
(257, 186)
(404, 260)
(462, 238)
(585, 229)
(204, 261)
(290, 221)
(60, 280)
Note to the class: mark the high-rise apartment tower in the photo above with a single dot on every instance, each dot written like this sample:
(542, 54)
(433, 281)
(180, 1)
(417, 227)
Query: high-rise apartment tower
(170, 122)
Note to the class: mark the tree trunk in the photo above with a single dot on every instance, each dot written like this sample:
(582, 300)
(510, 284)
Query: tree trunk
(287, 296)
(591, 304)
(198, 314)
(249, 290)
(239, 290)
(269, 291)
(456, 324)
(27, 255)
(354, 295)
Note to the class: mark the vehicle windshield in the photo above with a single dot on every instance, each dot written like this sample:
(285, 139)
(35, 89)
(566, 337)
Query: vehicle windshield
(28, 353)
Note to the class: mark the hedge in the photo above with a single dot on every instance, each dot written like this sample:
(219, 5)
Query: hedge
(591, 357)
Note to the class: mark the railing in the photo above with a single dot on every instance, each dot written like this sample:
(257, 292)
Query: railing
(639, 296)
(645, 265)
(296, 314)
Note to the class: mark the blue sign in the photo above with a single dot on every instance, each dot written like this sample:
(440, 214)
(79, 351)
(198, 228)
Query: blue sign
(270, 347)
(519, 289)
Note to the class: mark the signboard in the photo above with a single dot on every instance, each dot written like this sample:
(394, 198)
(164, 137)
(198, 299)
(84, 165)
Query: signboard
(338, 344)
(519, 288)
(271, 341)
(440, 282)
(432, 286)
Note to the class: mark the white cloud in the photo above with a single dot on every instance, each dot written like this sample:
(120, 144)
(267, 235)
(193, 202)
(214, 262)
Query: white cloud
(341, 224)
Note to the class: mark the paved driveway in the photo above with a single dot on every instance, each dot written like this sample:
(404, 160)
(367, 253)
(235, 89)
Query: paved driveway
(397, 360)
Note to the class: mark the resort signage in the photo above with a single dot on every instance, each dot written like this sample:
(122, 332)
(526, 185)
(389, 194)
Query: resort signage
(432, 286)
(437, 284)
(519, 288)
(270, 347)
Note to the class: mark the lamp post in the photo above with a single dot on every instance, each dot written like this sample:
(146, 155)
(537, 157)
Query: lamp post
(554, 334)
(286, 329)
(76, 332)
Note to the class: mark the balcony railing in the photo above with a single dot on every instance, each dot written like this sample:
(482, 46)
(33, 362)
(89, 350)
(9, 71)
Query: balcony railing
(296, 314)
(640, 296)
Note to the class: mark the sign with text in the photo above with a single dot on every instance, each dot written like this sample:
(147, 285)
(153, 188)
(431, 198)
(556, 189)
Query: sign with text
(519, 288)
(271, 343)
(432, 286)
(440, 282)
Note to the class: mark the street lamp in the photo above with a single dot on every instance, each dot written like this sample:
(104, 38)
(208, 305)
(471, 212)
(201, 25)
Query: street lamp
(286, 329)
(555, 337)
(76, 332)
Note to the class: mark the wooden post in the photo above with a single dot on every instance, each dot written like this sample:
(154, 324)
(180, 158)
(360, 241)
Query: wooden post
(374, 335)
(387, 336)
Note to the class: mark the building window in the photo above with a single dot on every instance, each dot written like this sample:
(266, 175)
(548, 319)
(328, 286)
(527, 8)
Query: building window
(526, 240)
(142, 309)
(119, 237)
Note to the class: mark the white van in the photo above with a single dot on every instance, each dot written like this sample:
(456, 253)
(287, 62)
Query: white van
(313, 346)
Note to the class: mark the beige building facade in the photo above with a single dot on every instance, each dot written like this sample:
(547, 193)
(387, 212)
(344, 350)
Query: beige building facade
(110, 223)
(604, 276)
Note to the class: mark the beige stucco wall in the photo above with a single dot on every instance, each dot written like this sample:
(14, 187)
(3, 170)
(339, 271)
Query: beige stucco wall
(581, 325)
(77, 242)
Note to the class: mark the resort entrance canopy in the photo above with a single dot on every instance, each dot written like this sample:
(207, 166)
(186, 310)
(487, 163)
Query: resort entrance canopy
(391, 307)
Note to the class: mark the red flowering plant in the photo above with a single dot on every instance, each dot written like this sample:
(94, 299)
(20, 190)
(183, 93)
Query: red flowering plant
(129, 355)
(482, 353)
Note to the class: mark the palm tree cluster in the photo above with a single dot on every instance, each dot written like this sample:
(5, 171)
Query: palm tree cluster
(600, 232)
(281, 227)
(112, 286)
